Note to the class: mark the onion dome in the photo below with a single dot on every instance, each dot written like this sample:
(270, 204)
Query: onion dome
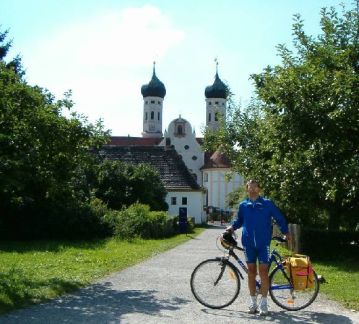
(155, 88)
(217, 90)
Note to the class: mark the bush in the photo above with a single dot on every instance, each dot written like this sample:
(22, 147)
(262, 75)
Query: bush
(332, 244)
(138, 221)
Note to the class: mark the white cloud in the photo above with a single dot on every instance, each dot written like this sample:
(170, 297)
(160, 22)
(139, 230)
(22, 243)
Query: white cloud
(131, 37)
(101, 60)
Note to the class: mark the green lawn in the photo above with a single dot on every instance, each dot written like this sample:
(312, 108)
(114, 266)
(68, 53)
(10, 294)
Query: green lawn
(341, 272)
(31, 272)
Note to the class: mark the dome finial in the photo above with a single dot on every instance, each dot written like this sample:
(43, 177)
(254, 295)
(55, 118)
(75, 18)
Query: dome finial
(154, 67)
(216, 60)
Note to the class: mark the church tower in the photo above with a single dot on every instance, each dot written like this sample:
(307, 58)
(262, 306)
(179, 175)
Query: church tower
(216, 102)
(153, 94)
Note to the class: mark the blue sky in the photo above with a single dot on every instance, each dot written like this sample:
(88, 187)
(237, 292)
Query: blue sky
(103, 50)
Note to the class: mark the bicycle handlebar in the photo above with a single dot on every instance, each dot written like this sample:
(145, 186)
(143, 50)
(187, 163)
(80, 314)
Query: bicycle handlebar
(279, 239)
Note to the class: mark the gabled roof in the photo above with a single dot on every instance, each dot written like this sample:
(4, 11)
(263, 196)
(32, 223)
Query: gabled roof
(134, 141)
(173, 172)
(216, 160)
(140, 141)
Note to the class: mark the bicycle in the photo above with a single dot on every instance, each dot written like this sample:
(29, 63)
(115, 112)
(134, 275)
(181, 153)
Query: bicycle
(215, 283)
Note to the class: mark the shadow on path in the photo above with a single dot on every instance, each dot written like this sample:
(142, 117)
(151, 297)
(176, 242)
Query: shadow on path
(99, 303)
(283, 316)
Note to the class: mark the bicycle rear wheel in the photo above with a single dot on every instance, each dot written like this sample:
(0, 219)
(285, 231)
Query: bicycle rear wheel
(215, 283)
(283, 294)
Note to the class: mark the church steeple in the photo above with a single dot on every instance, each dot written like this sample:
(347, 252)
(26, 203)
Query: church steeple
(153, 94)
(216, 101)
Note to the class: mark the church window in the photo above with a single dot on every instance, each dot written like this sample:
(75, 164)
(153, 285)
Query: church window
(194, 158)
(216, 102)
(146, 115)
(158, 116)
(206, 177)
(173, 200)
(152, 114)
(209, 117)
(184, 200)
(186, 147)
(179, 130)
(152, 101)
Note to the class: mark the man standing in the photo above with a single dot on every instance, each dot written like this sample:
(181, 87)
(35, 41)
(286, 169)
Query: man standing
(255, 217)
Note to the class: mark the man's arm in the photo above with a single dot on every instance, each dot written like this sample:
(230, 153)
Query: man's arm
(279, 218)
(237, 223)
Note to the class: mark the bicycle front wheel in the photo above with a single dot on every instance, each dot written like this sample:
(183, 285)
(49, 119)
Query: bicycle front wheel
(215, 283)
(283, 294)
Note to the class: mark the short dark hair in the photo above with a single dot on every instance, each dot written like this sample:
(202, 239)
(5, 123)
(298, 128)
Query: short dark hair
(252, 181)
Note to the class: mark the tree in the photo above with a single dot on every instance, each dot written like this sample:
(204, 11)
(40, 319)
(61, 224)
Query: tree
(44, 156)
(300, 135)
(121, 185)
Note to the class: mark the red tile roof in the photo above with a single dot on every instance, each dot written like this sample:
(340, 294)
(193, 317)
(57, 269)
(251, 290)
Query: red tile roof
(134, 141)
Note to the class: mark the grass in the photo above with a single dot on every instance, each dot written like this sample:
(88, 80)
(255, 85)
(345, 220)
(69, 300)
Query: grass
(32, 272)
(340, 269)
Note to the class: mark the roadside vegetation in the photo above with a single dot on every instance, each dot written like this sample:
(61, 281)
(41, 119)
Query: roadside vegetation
(35, 271)
(340, 270)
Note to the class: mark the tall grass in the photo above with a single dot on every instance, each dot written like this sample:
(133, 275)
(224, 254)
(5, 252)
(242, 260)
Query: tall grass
(32, 272)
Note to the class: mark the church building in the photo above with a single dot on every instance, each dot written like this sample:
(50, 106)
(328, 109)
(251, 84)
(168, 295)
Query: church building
(195, 180)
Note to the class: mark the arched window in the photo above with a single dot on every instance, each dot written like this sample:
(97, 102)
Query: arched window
(152, 115)
(179, 130)
(209, 117)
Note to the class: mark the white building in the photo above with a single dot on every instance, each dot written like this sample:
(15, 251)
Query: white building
(209, 183)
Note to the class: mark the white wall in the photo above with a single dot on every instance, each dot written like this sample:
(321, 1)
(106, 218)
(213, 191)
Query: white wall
(218, 187)
(195, 203)
(188, 147)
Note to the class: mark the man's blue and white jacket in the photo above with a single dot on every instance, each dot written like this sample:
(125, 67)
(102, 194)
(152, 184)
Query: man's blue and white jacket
(255, 218)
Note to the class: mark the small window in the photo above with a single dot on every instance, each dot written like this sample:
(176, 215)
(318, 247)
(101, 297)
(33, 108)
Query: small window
(216, 102)
(194, 158)
(206, 177)
(158, 116)
(173, 200)
(186, 147)
(209, 103)
(222, 103)
(209, 117)
(179, 130)
(152, 101)
(184, 200)
(146, 115)
(159, 102)
(152, 115)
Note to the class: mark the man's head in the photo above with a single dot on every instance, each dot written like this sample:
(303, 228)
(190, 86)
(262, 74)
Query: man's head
(253, 188)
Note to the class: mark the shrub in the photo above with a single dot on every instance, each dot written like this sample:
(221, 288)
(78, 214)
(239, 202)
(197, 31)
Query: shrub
(332, 244)
(138, 221)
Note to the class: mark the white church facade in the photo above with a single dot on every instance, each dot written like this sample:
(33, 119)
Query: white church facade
(196, 181)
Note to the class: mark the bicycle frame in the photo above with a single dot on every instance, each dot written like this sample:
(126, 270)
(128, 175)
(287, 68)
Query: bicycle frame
(274, 258)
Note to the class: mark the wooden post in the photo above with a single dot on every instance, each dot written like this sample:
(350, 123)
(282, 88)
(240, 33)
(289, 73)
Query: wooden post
(294, 231)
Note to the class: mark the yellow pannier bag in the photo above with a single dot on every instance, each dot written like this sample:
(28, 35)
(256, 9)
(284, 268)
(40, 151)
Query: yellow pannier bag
(301, 272)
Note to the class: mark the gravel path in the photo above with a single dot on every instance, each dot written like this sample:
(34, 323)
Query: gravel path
(157, 291)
